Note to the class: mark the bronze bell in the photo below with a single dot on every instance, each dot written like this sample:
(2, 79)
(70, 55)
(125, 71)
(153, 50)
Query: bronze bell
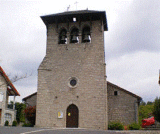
(63, 38)
(74, 39)
(86, 38)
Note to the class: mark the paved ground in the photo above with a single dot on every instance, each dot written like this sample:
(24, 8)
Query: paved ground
(25, 130)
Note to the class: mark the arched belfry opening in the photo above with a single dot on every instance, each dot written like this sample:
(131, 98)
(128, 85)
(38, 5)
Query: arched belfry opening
(74, 36)
(72, 116)
(86, 35)
(63, 37)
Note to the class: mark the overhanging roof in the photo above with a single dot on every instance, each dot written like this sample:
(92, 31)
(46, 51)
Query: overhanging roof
(83, 15)
(11, 90)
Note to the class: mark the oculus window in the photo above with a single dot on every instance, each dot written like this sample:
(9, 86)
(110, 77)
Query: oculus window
(73, 82)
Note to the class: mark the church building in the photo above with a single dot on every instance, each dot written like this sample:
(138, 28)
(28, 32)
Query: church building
(72, 86)
(72, 78)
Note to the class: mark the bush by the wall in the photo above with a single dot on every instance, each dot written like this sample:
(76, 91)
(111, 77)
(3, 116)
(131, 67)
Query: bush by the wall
(14, 123)
(115, 126)
(30, 114)
(6, 123)
(134, 126)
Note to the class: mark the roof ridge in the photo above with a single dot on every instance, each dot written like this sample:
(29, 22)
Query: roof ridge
(74, 11)
(124, 90)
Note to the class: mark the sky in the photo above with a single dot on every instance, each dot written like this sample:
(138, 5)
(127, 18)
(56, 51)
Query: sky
(132, 43)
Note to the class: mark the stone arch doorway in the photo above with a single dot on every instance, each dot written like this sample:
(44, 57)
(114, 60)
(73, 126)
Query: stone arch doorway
(72, 116)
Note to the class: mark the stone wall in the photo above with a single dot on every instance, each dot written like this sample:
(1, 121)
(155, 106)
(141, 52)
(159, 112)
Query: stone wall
(83, 61)
(122, 107)
(31, 100)
(3, 88)
(4, 103)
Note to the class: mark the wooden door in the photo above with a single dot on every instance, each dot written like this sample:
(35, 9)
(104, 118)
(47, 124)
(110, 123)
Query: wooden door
(72, 116)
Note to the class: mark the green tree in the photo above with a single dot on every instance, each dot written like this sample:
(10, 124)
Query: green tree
(156, 109)
(149, 103)
(145, 111)
(143, 103)
(19, 107)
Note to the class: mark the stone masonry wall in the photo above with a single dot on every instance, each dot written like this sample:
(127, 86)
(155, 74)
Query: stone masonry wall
(4, 103)
(123, 107)
(31, 101)
(85, 62)
(3, 87)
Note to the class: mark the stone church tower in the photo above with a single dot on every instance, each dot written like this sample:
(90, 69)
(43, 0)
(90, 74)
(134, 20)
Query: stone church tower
(72, 88)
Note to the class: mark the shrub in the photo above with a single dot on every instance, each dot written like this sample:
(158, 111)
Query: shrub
(30, 114)
(27, 125)
(134, 126)
(115, 126)
(14, 123)
(125, 127)
(6, 123)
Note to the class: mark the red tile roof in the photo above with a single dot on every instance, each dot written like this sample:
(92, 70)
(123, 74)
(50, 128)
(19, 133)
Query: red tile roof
(11, 89)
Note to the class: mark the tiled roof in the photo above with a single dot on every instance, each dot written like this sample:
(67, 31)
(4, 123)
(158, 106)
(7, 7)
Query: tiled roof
(11, 89)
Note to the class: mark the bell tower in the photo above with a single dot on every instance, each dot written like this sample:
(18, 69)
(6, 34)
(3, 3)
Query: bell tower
(72, 88)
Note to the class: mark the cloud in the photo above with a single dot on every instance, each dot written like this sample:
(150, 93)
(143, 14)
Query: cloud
(137, 72)
(131, 44)
(137, 29)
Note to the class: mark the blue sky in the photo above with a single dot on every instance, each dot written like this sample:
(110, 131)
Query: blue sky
(132, 50)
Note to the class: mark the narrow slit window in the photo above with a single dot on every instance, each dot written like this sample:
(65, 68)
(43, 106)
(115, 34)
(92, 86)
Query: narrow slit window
(115, 93)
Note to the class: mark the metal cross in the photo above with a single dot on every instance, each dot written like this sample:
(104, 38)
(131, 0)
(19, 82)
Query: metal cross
(68, 8)
(76, 4)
